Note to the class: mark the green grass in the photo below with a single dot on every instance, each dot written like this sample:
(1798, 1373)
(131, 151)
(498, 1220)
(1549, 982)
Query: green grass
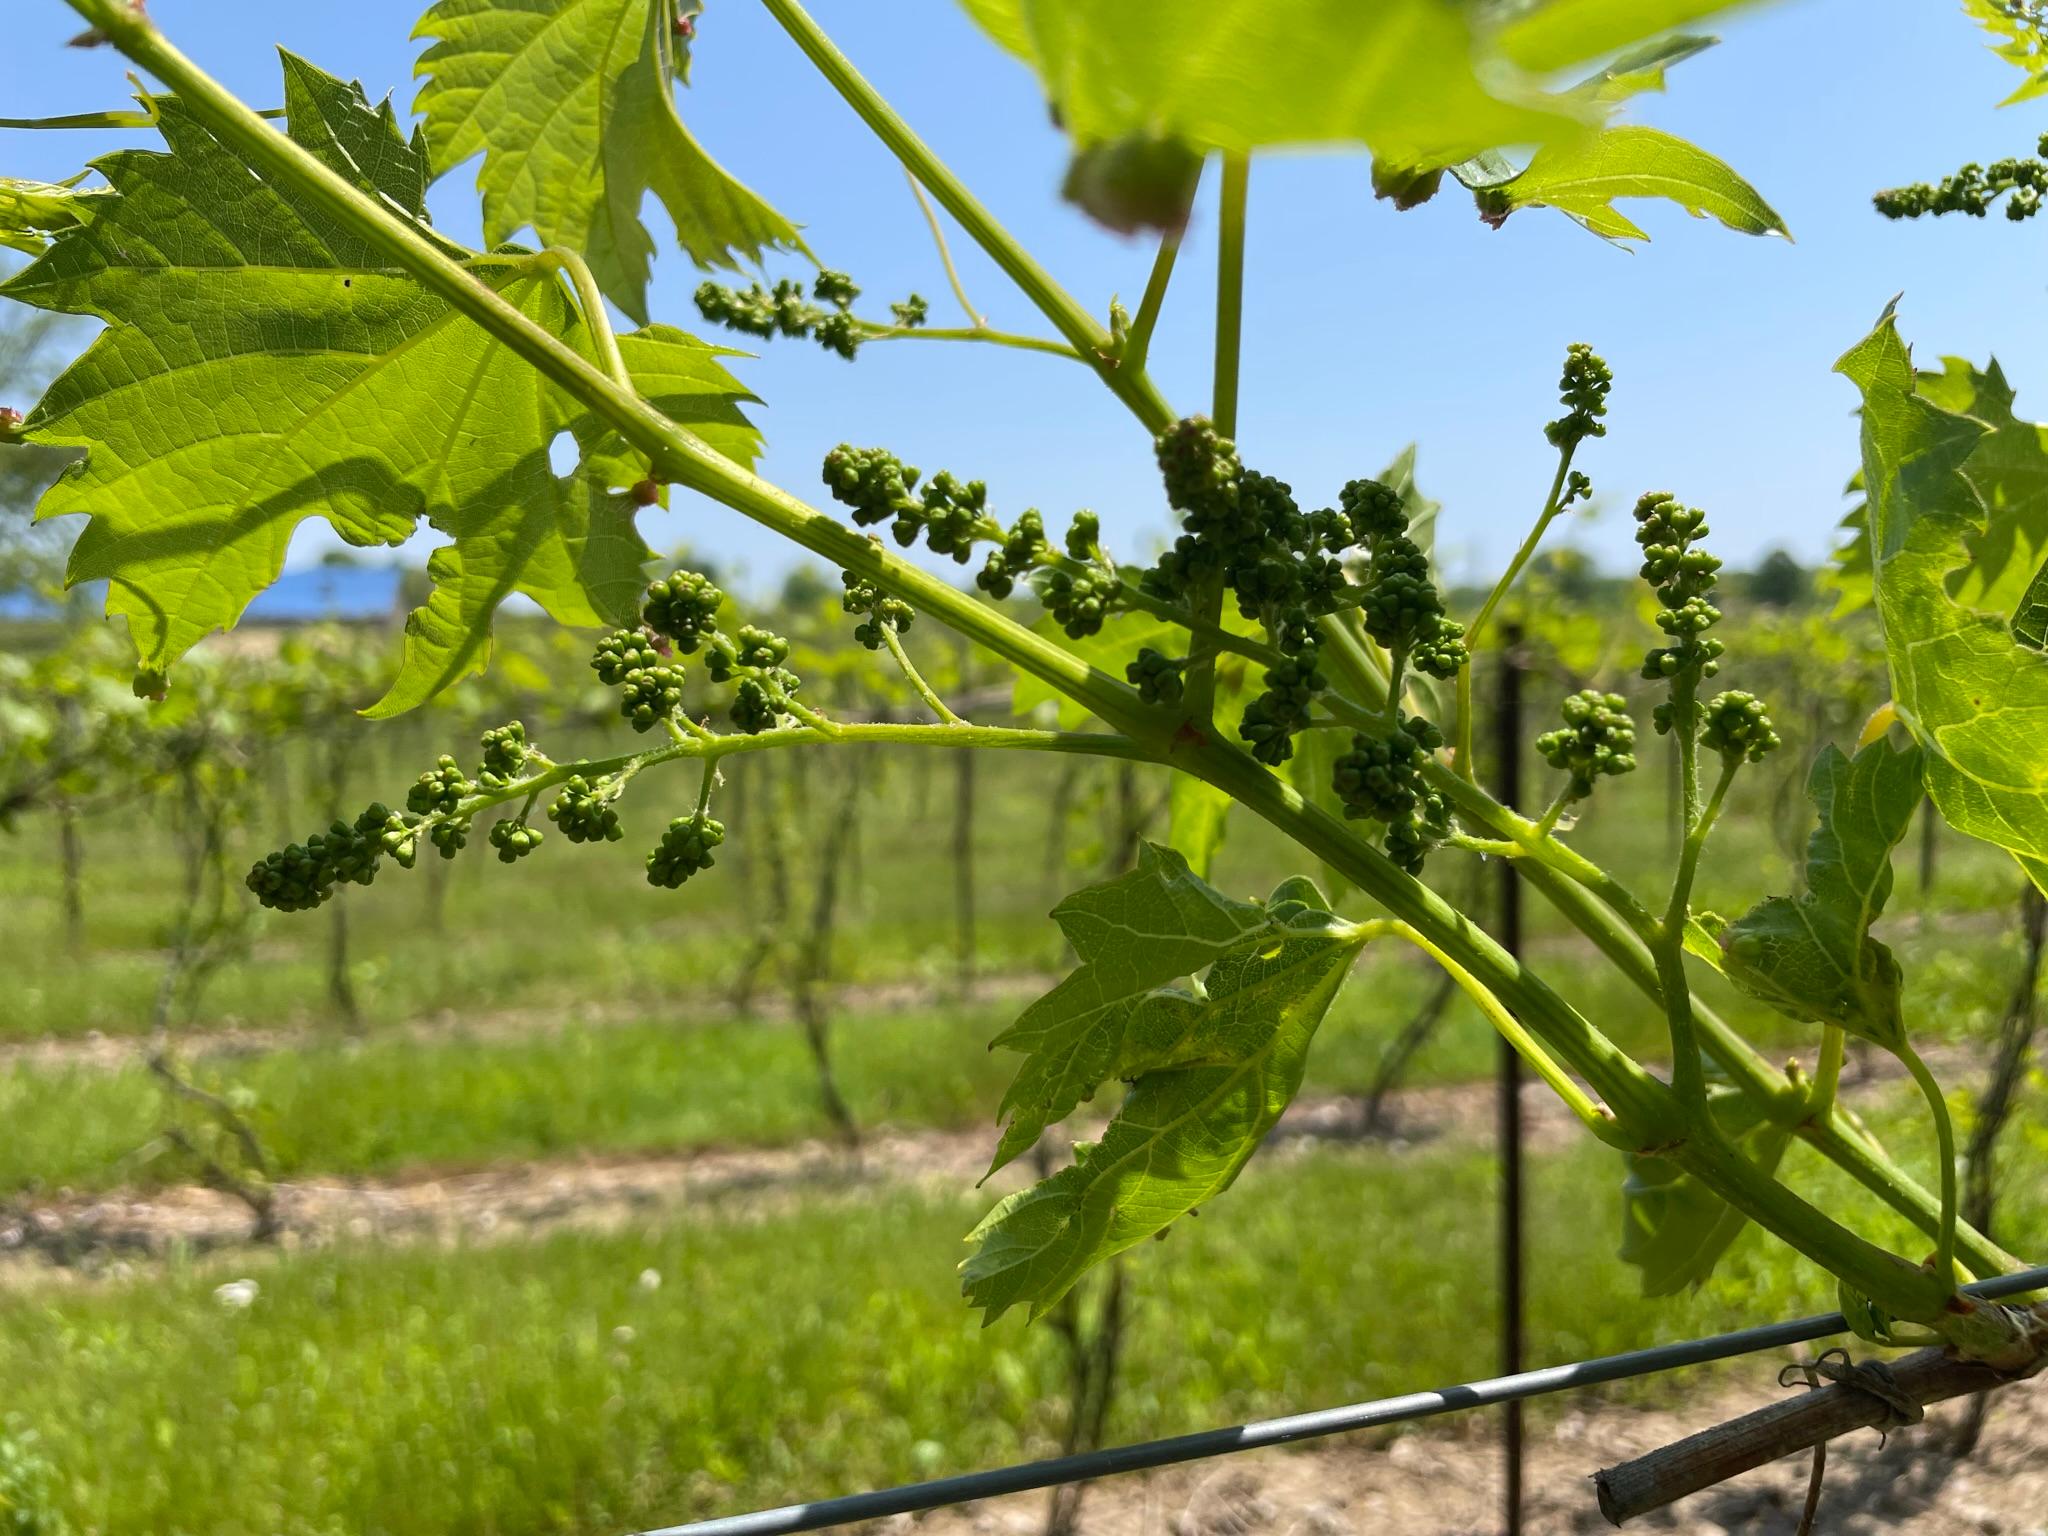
(810, 1352)
(387, 1102)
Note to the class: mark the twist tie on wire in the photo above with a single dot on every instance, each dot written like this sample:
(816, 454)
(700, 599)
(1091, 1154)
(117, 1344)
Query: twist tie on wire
(1873, 1378)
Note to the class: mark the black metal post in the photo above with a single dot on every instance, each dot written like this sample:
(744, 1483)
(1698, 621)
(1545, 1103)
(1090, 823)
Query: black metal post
(1508, 727)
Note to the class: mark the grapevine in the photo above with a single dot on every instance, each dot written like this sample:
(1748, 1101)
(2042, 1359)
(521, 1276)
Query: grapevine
(1262, 623)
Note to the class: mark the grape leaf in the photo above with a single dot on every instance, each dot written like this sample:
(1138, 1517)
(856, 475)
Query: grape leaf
(1850, 567)
(570, 103)
(1211, 1069)
(1674, 1229)
(1583, 177)
(1974, 695)
(1812, 957)
(261, 365)
(2022, 34)
(2030, 619)
(685, 380)
(1003, 21)
(2009, 472)
(1133, 934)
(1145, 90)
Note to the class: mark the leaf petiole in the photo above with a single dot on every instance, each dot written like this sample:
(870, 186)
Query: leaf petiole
(1138, 344)
(931, 217)
(871, 330)
(915, 678)
(1945, 1145)
(1596, 1117)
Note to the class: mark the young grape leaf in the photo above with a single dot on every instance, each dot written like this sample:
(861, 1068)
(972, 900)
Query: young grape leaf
(1134, 934)
(1582, 178)
(570, 103)
(1812, 957)
(1211, 1071)
(261, 365)
(1673, 1228)
(1974, 694)
(2022, 33)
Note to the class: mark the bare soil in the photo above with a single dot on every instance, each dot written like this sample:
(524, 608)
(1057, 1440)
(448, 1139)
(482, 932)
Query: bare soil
(599, 1193)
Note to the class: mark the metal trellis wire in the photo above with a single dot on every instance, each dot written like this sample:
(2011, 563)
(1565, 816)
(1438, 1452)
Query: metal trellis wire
(910, 1498)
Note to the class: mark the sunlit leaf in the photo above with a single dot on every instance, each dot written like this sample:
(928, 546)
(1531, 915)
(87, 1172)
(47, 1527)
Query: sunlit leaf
(686, 381)
(1812, 957)
(2030, 619)
(2021, 35)
(1584, 177)
(1973, 693)
(1003, 21)
(1211, 1067)
(571, 104)
(1138, 932)
(2009, 472)
(262, 365)
(1851, 571)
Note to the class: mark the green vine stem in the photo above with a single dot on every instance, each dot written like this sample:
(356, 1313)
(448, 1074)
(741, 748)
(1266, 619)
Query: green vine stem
(1622, 929)
(1648, 1114)
(915, 678)
(1200, 694)
(1644, 1108)
(1237, 176)
(1688, 1069)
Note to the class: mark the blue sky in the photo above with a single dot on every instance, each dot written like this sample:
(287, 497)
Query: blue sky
(1366, 329)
